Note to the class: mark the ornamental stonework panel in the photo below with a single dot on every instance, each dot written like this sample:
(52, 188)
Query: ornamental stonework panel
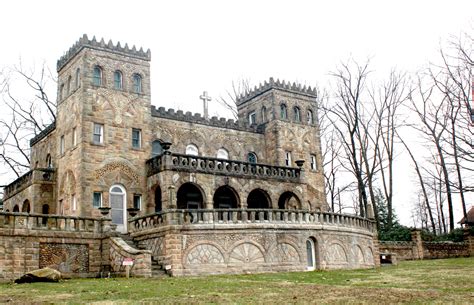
(204, 254)
(69, 258)
(287, 253)
(246, 253)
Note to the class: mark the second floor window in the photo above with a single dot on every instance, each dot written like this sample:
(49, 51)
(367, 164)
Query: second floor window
(118, 80)
(136, 138)
(288, 158)
(222, 154)
(313, 163)
(74, 137)
(310, 117)
(252, 157)
(252, 118)
(97, 76)
(98, 137)
(283, 112)
(192, 150)
(297, 114)
(137, 83)
(137, 201)
(61, 145)
(264, 114)
(97, 200)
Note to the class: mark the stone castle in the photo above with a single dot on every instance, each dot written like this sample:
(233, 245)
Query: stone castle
(179, 191)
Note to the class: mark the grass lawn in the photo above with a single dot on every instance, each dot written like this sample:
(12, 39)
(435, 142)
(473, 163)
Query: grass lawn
(415, 282)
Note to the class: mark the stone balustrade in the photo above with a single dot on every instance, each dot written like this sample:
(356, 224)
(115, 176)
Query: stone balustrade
(247, 216)
(216, 166)
(38, 175)
(49, 222)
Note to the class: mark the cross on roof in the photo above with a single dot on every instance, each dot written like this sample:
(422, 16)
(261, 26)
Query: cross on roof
(205, 98)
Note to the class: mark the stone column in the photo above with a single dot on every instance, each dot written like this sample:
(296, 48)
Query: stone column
(418, 243)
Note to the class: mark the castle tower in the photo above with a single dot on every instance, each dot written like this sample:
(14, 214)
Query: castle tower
(288, 114)
(102, 128)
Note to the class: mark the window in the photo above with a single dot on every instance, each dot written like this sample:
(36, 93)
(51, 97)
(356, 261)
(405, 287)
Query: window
(264, 114)
(137, 83)
(156, 148)
(222, 153)
(136, 138)
(78, 77)
(137, 201)
(61, 92)
(61, 145)
(283, 112)
(97, 200)
(192, 150)
(297, 113)
(252, 118)
(310, 117)
(288, 158)
(98, 133)
(74, 137)
(252, 157)
(73, 202)
(118, 80)
(69, 80)
(49, 162)
(313, 162)
(97, 76)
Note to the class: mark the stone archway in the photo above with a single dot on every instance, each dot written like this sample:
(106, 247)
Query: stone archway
(225, 197)
(25, 208)
(189, 196)
(289, 201)
(258, 199)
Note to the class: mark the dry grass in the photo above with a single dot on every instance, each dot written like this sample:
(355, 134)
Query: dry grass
(416, 282)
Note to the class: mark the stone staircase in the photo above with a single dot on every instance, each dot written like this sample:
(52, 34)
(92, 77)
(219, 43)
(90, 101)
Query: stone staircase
(157, 269)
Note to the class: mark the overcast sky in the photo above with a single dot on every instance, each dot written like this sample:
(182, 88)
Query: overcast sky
(205, 45)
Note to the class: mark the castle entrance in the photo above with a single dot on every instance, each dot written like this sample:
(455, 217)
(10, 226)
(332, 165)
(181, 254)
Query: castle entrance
(118, 210)
(258, 199)
(225, 198)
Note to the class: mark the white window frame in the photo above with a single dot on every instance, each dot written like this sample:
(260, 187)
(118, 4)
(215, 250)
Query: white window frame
(192, 150)
(139, 132)
(252, 118)
(222, 153)
(288, 158)
(100, 134)
(314, 165)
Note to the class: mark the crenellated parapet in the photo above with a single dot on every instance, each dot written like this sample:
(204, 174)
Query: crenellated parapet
(197, 118)
(272, 84)
(85, 42)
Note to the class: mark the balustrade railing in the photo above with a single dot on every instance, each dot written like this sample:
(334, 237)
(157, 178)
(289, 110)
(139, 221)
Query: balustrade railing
(246, 216)
(38, 174)
(217, 166)
(10, 220)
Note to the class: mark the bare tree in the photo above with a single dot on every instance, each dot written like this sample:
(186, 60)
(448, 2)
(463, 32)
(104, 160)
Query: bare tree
(229, 101)
(27, 112)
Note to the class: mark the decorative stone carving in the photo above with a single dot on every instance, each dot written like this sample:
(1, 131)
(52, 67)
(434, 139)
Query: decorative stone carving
(156, 246)
(246, 253)
(64, 257)
(120, 103)
(336, 254)
(287, 253)
(358, 255)
(204, 254)
(369, 256)
(117, 166)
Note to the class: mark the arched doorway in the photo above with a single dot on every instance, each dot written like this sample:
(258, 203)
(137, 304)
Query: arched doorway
(258, 199)
(16, 209)
(25, 208)
(310, 254)
(225, 197)
(289, 201)
(118, 207)
(158, 206)
(189, 197)
(45, 211)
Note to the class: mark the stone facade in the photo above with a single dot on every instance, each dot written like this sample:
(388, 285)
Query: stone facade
(110, 148)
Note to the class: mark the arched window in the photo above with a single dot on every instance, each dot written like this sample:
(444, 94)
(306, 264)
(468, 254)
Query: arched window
(192, 150)
(69, 81)
(78, 78)
(252, 157)
(118, 204)
(97, 76)
(137, 83)
(297, 114)
(283, 112)
(189, 196)
(222, 153)
(25, 208)
(310, 117)
(156, 148)
(310, 255)
(49, 162)
(264, 114)
(118, 80)
(61, 92)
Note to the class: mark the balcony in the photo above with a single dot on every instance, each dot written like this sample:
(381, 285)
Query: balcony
(214, 166)
(39, 175)
(235, 218)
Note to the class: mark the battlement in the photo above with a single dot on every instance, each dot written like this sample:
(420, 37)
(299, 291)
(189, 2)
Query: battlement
(85, 42)
(272, 84)
(196, 118)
